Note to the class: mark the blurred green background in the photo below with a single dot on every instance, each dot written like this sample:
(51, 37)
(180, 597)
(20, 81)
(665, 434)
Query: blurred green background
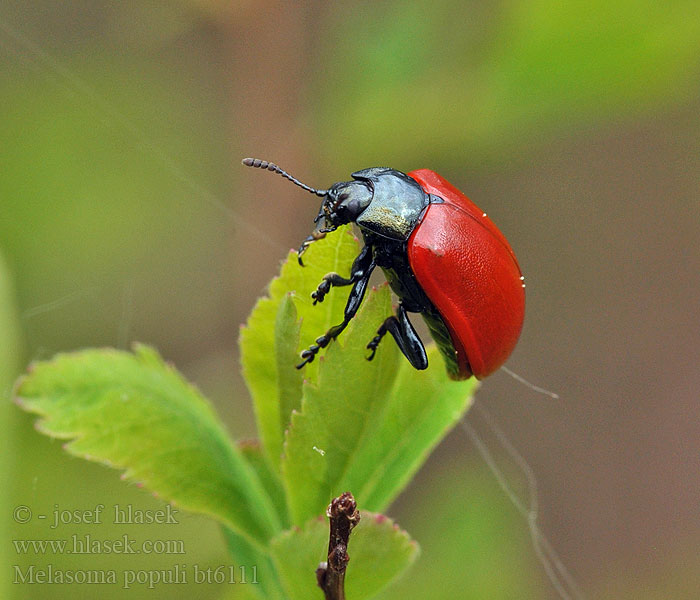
(125, 215)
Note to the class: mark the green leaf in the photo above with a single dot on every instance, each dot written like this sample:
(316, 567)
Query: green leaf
(134, 412)
(289, 383)
(249, 557)
(325, 435)
(423, 406)
(379, 552)
(270, 342)
(367, 426)
(270, 479)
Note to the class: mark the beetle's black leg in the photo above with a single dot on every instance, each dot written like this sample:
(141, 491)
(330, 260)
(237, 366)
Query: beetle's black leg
(361, 270)
(357, 271)
(406, 338)
(329, 280)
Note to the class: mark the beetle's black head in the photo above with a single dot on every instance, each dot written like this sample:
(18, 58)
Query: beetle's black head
(344, 202)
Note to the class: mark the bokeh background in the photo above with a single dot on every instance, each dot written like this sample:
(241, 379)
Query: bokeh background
(125, 215)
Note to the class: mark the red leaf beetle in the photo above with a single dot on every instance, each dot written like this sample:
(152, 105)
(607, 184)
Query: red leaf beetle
(442, 256)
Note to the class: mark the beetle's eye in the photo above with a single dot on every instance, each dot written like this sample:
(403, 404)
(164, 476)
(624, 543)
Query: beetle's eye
(339, 204)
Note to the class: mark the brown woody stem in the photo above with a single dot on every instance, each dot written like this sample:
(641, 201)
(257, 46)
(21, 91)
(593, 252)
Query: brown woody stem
(330, 575)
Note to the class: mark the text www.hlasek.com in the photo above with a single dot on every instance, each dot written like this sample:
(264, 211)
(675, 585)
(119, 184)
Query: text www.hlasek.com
(86, 544)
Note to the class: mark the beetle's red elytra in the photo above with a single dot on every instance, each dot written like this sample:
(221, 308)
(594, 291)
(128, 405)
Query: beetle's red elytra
(470, 274)
(441, 254)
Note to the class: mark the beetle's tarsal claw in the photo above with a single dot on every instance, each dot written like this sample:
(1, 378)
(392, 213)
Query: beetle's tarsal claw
(302, 249)
(315, 235)
(308, 356)
(372, 346)
(305, 362)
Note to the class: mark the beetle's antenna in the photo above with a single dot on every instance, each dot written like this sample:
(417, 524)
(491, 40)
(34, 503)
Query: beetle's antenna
(263, 164)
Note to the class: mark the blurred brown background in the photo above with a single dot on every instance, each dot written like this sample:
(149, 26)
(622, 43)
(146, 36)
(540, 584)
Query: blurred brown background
(125, 215)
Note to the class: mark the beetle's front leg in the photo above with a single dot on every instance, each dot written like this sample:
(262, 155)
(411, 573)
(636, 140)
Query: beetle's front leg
(354, 301)
(357, 272)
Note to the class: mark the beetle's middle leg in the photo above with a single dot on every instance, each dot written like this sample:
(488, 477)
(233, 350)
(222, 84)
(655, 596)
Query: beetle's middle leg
(361, 271)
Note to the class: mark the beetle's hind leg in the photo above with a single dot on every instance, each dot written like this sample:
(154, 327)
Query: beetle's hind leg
(405, 336)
